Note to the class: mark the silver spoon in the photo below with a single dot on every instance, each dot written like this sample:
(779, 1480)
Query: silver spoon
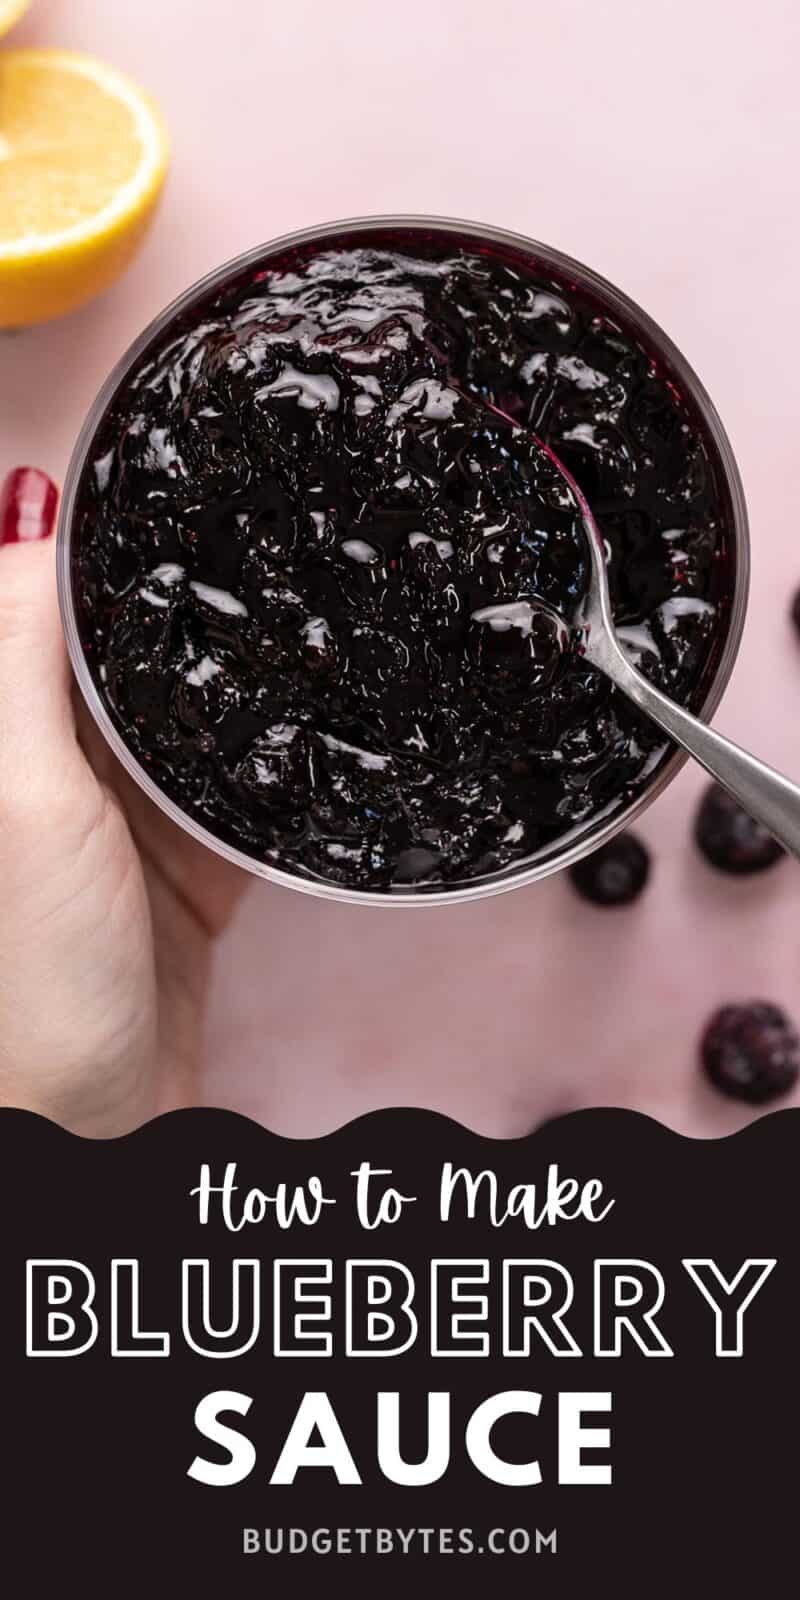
(769, 797)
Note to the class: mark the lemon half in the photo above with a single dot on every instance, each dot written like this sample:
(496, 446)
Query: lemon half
(10, 12)
(83, 157)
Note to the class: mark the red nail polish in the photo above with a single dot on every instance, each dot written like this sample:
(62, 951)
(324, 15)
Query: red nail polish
(28, 500)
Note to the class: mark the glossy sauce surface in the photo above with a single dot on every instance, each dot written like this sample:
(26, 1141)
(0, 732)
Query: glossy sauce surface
(309, 558)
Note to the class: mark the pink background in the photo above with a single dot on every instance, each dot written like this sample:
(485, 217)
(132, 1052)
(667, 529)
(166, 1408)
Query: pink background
(657, 141)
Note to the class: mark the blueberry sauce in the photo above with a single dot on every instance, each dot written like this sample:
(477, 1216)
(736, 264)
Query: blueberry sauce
(323, 572)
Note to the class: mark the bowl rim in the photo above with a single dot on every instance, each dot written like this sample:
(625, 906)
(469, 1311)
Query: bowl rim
(569, 848)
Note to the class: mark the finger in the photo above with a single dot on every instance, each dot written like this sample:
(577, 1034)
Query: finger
(39, 756)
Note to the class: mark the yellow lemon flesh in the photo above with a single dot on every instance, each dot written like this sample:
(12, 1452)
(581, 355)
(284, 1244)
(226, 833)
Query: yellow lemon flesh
(10, 12)
(83, 157)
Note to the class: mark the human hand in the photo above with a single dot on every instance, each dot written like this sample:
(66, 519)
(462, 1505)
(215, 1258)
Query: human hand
(109, 911)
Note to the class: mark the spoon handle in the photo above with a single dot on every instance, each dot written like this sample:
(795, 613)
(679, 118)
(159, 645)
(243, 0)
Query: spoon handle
(769, 797)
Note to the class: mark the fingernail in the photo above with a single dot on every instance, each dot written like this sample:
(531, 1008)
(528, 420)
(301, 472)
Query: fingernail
(28, 500)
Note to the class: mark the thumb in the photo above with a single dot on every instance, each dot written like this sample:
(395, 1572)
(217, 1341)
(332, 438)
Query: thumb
(39, 755)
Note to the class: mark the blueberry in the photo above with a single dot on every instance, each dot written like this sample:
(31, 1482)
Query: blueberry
(730, 838)
(615, 874)
(751, 1052)
(275, 770)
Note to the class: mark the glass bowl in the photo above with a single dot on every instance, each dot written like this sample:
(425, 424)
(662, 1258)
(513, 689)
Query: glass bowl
(578, 842)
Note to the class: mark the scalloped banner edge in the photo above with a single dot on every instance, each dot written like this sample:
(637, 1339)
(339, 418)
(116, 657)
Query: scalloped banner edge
(619, 1116)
